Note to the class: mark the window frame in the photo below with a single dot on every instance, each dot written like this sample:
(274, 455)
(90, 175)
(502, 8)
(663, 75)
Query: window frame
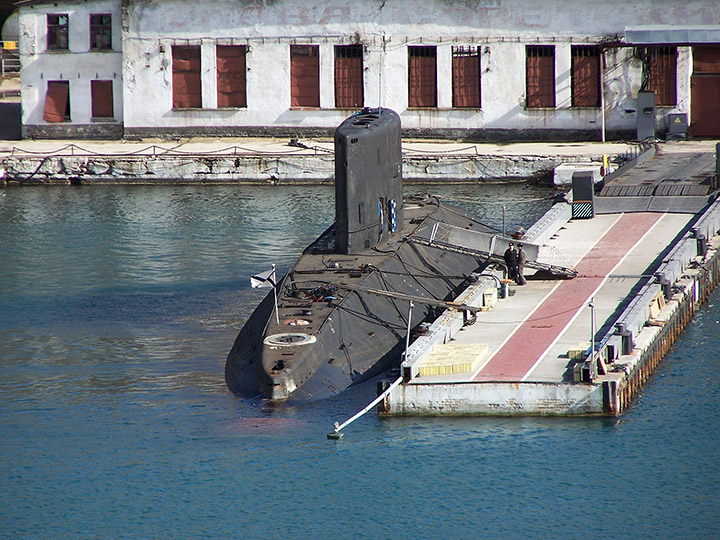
(540, 77)
(57, 90)
(349, 76)
(422, 77)
(98, 28)
(236, 95)
(96, 105)
(579, 82)
(466, 64)
(304, 76)
(56, 31)
(181, 67)
(660, 73)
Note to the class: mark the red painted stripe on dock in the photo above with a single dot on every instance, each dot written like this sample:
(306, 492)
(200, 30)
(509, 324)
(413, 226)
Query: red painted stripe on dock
(520, 353)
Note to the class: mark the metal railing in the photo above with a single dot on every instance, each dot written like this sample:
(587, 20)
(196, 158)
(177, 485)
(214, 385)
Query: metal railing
(9, 57)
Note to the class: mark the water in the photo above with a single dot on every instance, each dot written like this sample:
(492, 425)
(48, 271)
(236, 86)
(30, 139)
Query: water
(118, 306)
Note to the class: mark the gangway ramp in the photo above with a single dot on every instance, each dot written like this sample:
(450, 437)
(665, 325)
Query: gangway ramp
(488, 246)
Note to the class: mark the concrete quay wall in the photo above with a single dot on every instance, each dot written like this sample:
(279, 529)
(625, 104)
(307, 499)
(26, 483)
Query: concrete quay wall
(693, 266)
(259, 168)
(280, 161)
(658, 337)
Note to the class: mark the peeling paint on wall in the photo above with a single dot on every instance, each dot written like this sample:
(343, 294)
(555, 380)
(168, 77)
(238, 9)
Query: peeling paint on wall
(385, 29)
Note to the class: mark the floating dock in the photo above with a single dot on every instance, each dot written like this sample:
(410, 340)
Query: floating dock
(645, 250)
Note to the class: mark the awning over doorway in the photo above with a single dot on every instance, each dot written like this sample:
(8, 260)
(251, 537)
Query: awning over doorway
(667, 34)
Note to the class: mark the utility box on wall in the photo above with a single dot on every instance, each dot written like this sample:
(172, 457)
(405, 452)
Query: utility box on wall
(677, 126)
(645, 115)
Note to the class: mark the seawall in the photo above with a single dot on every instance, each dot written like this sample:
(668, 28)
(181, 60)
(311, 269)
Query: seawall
(266, 161)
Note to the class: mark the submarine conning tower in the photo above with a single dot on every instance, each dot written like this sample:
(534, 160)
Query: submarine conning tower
(368, 180)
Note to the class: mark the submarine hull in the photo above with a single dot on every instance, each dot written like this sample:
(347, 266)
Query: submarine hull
(342, 309)
(333, 335)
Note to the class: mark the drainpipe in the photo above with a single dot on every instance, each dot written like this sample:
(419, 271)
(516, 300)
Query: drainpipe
(602, 94)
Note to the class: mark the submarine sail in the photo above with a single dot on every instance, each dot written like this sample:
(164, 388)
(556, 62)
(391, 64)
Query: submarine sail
(342, 309)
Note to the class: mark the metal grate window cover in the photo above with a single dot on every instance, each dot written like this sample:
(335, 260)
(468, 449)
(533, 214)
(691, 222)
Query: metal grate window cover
(304, 76)
(466, 77)
(231, 76)
(540, 76)
(422, 76)
(187, 88)
(349, 91)
(660, 73)
(585, 76)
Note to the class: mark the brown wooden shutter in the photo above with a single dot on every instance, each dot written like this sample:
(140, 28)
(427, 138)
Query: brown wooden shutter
(187, 86)
(540, 74)
(101, 94)
(56, 101)
(466, 77)
(304, 76)
(349, 92)
(705, 91)
(662, 74)
(422, 77)
(231, 80)
(706, 59)
(585, 76)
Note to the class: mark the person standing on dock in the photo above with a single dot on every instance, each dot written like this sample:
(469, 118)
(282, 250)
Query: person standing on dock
(520, 269)
(511, 261)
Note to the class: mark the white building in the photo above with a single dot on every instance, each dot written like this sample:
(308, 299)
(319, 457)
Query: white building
(482, 69)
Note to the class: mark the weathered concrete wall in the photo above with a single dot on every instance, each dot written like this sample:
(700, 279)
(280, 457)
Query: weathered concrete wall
(502, 29)
(53, 169)
(494, 398)
(78, 65)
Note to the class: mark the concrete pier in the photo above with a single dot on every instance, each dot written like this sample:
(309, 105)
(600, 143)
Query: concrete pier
(276, 161)
(640, 276)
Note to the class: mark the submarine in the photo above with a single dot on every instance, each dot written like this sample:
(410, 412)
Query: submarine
(342, 313)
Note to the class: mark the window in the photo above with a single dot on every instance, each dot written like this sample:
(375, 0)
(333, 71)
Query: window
(349, 92)
(231, 81)
(660, 73)
(304, 76)
(540, 76)
(101, 94)
(466, 77)
(57, 32)
(187, 92)
(101, 31)
(422, 76)
(585, 76)
(57, 102)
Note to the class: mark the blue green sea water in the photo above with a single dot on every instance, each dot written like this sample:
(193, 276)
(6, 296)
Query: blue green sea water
(118, 306)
